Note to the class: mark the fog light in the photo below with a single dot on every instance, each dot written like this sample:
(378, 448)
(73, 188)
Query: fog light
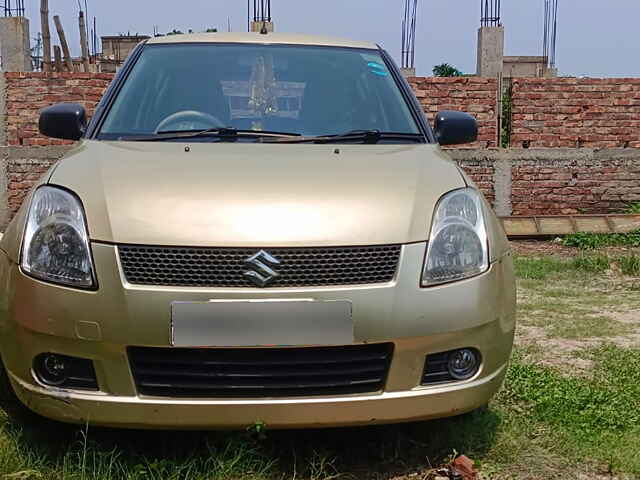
(51, 369)
(463, 363)
(57, 370)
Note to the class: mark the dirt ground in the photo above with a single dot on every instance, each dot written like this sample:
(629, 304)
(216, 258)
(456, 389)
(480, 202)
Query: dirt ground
(556, 319)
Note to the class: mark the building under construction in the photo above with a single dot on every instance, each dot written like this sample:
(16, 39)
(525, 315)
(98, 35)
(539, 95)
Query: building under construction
(13, 8)
(492, 62)
(259, 17)
(15, 43)
(116, 49)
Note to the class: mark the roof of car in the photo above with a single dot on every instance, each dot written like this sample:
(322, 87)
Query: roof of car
(270, 38)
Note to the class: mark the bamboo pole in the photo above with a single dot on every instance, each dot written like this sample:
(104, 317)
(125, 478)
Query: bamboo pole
(63, 42)
(83, 41)
(46, 35)
(58, 58)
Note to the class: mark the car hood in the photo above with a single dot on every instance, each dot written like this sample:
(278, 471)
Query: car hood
(249, 195)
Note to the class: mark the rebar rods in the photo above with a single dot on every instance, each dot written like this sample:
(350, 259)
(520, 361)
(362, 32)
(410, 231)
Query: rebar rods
(409, 33)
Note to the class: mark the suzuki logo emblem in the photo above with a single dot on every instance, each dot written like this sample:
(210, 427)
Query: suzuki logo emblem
(261, 269)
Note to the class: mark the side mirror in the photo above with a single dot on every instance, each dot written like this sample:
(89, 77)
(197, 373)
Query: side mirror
(64, 120)
(455, 128)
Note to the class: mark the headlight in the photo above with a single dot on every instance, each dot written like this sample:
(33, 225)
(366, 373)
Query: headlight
(458, 243)
(56, 247)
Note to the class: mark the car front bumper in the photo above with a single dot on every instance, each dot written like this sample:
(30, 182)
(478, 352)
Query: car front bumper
(36, 317)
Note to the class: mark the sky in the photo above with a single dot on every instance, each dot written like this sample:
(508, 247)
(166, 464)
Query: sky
(597, 38)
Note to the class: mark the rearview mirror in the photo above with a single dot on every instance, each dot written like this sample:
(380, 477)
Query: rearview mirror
(67, 121)
(455, 128)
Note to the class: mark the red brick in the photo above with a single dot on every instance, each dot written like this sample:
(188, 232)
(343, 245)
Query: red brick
(28, 93)
(559, 112)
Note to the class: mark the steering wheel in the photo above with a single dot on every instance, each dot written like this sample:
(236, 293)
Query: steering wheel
(188, 120)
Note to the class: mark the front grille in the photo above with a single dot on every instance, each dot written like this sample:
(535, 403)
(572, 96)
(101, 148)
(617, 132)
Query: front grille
(261, 372)
(225, 267)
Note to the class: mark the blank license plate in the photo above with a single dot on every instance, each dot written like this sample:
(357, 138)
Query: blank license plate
(252, 323)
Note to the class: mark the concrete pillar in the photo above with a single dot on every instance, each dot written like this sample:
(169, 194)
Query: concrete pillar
(257, 26)
(15, 44)
(551, 72)
(4, 192)
(4, 183)
(502, 169)
(3, 110)
(490, 51)
(408, 72)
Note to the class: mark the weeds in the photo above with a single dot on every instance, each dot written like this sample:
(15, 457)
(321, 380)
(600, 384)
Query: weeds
(632, 208)
(590, 241)
(507, 107)
(529, 268)
(629, 265)
(590, 263)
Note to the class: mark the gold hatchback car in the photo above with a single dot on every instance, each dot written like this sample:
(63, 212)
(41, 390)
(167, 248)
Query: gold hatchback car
(254, 228)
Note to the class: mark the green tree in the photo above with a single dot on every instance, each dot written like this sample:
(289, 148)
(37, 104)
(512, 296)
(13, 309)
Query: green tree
(175, 31)
(446, 70)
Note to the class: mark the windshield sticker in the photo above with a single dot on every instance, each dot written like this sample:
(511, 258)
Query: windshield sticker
(377, 69)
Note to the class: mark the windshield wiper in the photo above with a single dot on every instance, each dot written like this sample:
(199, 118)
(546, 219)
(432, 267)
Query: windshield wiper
(227, 132)
(365, 136)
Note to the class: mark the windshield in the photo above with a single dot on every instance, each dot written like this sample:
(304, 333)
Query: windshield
(300, 90)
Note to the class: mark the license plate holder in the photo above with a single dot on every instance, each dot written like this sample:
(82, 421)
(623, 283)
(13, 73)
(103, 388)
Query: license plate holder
(260, 323)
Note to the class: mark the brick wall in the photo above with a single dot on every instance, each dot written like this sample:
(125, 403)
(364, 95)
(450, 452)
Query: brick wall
(576, 112)
(23, 168)
(575, 181)
(474, 95)
(548, 113)
(28, 93)
(516, 182)
(482, 171)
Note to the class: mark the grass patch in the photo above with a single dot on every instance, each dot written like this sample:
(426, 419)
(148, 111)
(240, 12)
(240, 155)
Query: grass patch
(305, 454)
(501, 439)
(599, 416)
(590, 241)
(588, 327)
(70, 454)
(542, 268)
(570, 300)
(567, 317)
